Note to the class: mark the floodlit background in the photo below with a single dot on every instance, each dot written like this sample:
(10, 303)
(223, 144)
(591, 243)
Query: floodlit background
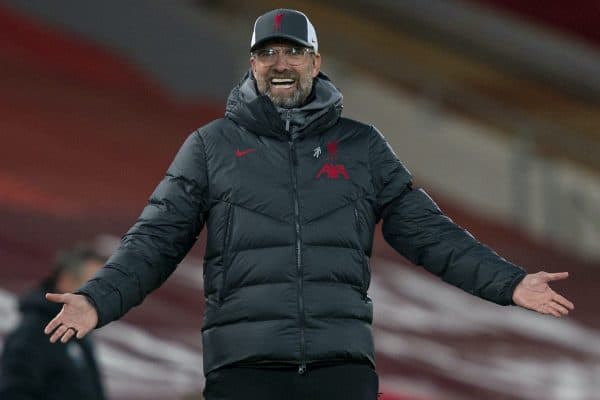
(494, 106)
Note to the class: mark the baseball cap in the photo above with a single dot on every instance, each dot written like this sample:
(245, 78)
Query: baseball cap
(284, 24)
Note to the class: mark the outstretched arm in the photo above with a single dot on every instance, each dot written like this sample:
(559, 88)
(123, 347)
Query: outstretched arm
(417, 228)
(163, 234)
(534, 293)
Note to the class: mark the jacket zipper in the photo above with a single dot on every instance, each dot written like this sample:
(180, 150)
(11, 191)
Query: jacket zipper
(361, 253)
(226, 246)
(299, 268)
(287, 118)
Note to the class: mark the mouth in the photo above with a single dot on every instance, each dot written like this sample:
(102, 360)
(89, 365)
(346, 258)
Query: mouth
(283, 83)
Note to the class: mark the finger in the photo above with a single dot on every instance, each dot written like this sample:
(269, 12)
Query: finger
(81, 333)
(562, 310)
(68, 335)
(55, 297)
(58, 333)
(556, 314)
(556, 276)
(563, 301)
(52, 325)
(548, 309)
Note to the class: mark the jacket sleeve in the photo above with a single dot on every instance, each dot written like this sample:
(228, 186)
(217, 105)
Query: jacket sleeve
(163, 234)
(415, 227)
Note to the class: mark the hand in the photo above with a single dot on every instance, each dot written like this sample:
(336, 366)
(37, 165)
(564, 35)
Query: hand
(77, 317)
(534, 293)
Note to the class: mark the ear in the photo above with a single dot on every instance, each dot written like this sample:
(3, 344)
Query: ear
(316, 65)
(253, 65)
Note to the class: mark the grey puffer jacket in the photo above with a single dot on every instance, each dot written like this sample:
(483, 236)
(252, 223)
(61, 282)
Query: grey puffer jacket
(290, 202)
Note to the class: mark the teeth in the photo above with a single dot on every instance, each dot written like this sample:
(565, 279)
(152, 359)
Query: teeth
(282, 81)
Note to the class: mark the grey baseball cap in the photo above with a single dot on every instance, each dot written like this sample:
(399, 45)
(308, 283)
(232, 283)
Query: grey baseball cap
(284, 24)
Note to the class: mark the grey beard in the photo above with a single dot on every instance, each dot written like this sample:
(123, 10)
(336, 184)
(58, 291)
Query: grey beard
(297, 99)
(294, 101)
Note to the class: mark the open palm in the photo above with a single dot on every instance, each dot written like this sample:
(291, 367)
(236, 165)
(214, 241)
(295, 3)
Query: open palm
(77, 317)
(534, 293)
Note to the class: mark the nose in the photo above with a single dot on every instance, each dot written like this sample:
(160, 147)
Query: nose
(281, 63)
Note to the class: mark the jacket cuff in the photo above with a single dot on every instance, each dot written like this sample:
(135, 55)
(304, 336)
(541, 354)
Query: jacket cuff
(510, 287)
(103, 298)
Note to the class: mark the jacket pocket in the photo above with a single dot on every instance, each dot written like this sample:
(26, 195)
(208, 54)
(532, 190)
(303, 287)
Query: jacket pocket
(226, 252)
(362, 256)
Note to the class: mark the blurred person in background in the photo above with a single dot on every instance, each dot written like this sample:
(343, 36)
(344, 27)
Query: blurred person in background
(33, 368)
(290, 193)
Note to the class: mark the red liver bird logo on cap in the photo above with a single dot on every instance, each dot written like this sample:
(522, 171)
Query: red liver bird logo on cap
(277, 22)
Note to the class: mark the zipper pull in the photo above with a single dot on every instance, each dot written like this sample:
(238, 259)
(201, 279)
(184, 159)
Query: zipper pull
(287, 117)
(302, 368)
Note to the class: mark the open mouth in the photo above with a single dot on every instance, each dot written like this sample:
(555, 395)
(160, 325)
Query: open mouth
(284, 83)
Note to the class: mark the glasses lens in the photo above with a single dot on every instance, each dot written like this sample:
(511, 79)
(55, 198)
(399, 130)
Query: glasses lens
(267, 56)
(295, 55)
(292, 55)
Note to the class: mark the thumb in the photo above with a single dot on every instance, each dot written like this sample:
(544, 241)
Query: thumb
(56, 297)
(557, 276)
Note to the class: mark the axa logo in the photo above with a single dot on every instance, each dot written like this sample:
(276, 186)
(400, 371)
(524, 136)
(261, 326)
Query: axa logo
(331, 169)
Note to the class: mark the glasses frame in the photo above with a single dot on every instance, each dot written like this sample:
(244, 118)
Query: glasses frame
(281, 52)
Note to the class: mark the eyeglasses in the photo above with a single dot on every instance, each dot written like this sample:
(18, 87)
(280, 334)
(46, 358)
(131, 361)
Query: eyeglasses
(292, 55)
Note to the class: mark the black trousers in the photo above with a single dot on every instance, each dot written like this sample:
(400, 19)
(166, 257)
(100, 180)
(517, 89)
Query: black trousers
(343, 382)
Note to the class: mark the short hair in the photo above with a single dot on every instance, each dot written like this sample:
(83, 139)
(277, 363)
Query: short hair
(72, 259)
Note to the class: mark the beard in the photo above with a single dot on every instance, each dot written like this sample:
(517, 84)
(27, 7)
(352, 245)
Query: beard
(303, 86)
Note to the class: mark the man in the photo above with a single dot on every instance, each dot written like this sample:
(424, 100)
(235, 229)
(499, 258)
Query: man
(33, 368)
(290, 193)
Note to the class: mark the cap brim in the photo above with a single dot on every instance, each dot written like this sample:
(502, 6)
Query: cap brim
(281, 36)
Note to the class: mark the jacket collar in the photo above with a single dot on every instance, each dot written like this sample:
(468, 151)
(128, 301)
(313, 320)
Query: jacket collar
(258, 114)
